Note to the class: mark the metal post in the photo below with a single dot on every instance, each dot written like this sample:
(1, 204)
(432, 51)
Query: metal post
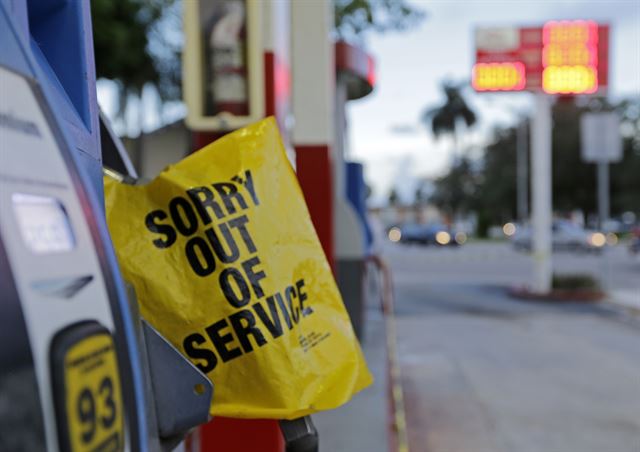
(339, 145)
(603, 193)
(603, 216)
(522, 170)
(541, 194)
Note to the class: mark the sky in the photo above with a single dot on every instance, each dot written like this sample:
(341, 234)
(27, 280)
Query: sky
(384, 128)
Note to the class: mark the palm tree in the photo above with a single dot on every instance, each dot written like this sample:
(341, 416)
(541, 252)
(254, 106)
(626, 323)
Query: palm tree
(446, 118)
(394, 199)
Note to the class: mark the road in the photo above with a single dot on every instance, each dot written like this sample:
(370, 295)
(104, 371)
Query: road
(486, 373)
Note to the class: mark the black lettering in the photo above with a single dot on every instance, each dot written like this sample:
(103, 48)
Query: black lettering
(203, 267)
(240, 224)
(230, 294)
(290, 294)
(209, 358)
(248, 184)
(151, 222)
(272, 323)
(244, 324)
(285, 311)
(203, 202)
(220, 341)
(226, 257)
(254, 277)
(106, 392)
(180, 204)
(302, 296)
(86, 413)
(228, 192)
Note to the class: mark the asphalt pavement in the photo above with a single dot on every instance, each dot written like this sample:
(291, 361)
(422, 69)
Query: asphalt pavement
(483, 372)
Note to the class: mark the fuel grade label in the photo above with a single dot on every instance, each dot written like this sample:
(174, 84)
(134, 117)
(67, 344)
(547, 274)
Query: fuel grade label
(89, 403)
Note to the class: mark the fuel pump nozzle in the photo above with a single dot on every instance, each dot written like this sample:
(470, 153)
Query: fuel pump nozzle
(300, 435)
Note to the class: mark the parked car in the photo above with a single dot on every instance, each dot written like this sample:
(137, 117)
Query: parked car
(427, 234)
(565, 236)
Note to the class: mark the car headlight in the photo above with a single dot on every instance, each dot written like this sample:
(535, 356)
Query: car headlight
(443, 238)
(460, 238)
(597, 239)
(509, 229)
(395, 234)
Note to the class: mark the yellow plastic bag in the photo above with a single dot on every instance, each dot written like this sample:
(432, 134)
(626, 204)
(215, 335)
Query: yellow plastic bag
(227, 266)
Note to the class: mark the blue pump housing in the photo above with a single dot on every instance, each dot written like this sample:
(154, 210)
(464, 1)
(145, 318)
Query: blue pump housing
(51, 43)
(60, 40)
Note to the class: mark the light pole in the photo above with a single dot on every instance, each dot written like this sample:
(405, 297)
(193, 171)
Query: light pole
(522, 164)
(603, 194)
(522, 170)
(541, 193)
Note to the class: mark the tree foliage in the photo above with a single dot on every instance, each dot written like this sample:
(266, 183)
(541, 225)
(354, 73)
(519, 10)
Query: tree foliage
(575, 182)
(131, 47)
(489, 188)
(457, 191)
(444, 118)
(354, 17)
(394, 199)
(496, 192)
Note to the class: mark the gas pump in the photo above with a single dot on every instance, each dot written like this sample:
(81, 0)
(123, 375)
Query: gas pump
(79, 369)
(60, 290)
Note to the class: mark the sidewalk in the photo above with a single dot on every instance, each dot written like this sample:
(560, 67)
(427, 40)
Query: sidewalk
(626, 298)
(362, 424)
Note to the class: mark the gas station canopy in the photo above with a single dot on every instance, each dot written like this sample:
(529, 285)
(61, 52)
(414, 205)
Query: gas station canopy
(357, 67)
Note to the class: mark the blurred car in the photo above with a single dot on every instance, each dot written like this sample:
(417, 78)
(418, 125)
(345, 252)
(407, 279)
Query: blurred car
(615, 226)
(427, 234)
(565, 236)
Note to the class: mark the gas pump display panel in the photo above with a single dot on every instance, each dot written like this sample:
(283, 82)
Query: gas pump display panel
(44, 224)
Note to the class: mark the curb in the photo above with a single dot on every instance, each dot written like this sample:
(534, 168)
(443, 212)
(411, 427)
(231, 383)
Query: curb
(559, 295)
(630, 308)
(398, 438)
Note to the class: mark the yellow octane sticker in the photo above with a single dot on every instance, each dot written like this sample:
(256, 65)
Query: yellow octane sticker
(227, 265)
(93, 396)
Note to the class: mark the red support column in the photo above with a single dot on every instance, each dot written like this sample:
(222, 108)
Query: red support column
(313, 167)
(241, 435)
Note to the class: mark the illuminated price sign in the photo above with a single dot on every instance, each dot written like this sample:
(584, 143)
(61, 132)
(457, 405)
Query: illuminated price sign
(499, 76)
(562, 57)
(570, 57)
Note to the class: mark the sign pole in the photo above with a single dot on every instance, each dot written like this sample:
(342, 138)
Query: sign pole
(601, 144)
(603, 192)
(603, 216)
(541, 208)
(522, 171)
